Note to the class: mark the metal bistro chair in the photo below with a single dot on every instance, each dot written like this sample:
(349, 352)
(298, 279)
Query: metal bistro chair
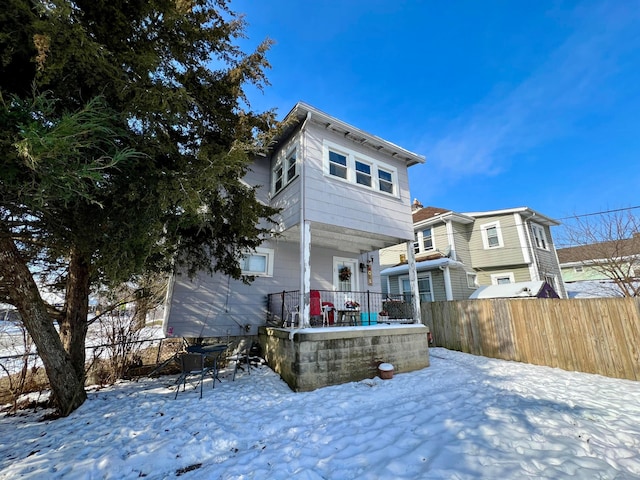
(193, 365)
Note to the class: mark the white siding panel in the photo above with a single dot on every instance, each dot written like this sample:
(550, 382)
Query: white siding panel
(335, 202)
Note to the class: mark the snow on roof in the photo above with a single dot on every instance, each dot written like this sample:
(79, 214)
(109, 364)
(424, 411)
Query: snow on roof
(421, 266)
(509, 290)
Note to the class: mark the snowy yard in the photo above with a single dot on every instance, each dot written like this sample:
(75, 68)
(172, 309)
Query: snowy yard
(464, 417)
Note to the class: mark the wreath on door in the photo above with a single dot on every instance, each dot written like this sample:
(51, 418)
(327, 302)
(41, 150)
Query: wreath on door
(344, 274)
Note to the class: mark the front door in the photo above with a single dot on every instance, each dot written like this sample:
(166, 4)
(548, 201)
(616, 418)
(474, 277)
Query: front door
(345, 274)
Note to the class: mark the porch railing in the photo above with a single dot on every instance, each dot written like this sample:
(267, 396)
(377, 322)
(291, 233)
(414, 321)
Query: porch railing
(331, 309)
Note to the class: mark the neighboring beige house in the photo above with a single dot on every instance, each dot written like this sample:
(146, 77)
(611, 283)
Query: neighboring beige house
(457, 252)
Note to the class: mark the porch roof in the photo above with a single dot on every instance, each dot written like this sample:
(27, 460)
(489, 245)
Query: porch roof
(422, 266)
(344, 239)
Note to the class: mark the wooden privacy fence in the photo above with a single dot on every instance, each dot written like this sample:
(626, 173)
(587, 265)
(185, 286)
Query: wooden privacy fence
(595, 335)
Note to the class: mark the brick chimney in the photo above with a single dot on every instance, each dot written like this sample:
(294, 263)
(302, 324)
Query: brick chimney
(416, 205)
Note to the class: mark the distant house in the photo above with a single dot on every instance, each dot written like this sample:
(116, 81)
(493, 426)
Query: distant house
(604, 269)
(456, 253)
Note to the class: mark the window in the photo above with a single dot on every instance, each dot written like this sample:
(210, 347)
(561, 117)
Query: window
(427, 239)
(539, 236)
(359, 169)
(423, 241)
(278, 177)
(502, 278)
(363, 174)
(491, 235)
(292, 166)
(385, 181)
(284, 171)
(424, 288)
(258, 263)
(337, 165)
(472, 280)
(578, 269)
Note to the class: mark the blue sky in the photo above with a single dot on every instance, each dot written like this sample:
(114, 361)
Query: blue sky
(513, 103)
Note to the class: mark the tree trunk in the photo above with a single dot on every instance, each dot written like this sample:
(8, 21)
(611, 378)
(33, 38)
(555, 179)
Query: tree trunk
(73, 325)
(67, 388)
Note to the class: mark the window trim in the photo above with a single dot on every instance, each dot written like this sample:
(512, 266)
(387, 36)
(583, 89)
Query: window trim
(472, 280)
(496, 276)
(268, 253)
(485, 235)
(351, 175)
(539, 236)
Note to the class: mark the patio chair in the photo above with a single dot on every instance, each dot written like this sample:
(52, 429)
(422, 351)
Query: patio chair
(192, 365)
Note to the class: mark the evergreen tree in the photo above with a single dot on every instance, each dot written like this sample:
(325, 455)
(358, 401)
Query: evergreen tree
(124, 136)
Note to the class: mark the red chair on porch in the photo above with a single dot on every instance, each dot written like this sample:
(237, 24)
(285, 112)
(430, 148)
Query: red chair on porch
(315, 309)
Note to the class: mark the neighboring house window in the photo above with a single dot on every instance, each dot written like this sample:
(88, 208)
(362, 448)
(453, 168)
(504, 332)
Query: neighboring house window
(491, 235)
(258, 263)
(424, 288)
(539, 236)
(360, 170)
(502, 278)
(472, 280)
(284, 171)
(427, 239)
(423, 241)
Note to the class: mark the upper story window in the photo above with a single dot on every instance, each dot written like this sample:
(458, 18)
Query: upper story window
(491, 235)
(284, 171)
(258, 263)
(539, 236)
(363, 173)
(359, 169)
(423, 241)
(337, 164)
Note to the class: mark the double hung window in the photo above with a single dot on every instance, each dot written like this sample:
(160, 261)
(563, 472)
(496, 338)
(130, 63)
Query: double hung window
(284, 171)
(491, 235)
(539, 237)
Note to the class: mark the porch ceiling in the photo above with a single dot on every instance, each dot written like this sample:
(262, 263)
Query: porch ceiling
(344, 239)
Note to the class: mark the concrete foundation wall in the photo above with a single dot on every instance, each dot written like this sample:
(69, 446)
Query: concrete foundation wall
(312, 358)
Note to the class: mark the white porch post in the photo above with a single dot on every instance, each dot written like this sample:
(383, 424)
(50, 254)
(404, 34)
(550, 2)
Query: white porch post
(305, 274)
(447, 282)
(413, 280)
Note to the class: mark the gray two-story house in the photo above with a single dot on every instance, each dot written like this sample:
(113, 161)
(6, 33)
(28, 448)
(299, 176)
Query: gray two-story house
(343, 195)
(458, 252)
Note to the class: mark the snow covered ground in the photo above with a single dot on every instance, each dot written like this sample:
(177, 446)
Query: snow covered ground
(464, 417)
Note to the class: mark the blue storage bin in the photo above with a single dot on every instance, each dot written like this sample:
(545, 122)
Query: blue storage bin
(367, 318)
